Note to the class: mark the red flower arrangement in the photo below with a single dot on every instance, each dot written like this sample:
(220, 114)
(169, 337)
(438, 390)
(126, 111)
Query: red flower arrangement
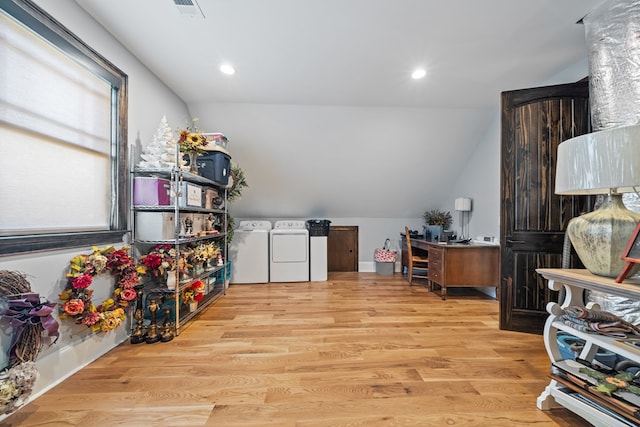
(76, 298)
(158, 261)
(193, 293)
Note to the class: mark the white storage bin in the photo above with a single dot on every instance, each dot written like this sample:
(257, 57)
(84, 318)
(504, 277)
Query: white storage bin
(155, 226)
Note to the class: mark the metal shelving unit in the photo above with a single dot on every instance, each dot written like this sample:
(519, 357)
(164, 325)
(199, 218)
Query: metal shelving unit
(213, 279)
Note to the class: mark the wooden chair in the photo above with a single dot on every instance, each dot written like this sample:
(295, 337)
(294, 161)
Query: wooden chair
(417, 265)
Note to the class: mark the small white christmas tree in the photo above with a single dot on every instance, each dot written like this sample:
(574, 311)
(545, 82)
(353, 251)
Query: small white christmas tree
(161, 152)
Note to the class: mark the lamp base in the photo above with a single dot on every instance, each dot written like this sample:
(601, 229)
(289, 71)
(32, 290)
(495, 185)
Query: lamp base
(600, 237)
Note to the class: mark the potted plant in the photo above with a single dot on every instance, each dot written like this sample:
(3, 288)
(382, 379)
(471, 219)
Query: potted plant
(437, 221)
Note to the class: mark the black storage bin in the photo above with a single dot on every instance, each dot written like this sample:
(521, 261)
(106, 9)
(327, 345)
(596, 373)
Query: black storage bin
(215, 165)
(318, 227)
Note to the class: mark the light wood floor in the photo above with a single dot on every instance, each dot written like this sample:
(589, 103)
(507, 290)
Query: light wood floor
(358, 350)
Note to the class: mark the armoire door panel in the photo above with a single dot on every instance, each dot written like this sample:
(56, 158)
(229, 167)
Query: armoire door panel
(533, 218)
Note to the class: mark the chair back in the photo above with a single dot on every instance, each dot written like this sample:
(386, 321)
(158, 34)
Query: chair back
(408, 239)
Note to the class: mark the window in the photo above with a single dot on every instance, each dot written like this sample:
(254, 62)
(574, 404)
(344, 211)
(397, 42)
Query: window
(63, 168)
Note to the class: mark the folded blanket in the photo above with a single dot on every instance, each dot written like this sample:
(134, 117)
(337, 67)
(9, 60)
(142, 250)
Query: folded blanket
(597, 316)
(612, 329)
(593, 315)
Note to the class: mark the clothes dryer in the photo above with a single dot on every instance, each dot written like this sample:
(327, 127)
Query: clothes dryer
(289, 261)
(249, 252)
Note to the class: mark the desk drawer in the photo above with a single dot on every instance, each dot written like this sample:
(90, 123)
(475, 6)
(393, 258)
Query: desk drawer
(436, 255)
(435, 274)
(436, 261)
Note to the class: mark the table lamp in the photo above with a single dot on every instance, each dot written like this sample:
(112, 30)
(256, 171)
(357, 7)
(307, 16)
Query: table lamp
(604, 162)
(462, 205)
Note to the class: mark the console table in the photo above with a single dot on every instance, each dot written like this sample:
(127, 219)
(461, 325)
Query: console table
(599, 409)
(461, 265)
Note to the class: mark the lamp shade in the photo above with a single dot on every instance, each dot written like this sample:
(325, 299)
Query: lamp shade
(604, 162)
(463, 204)
(600, 162)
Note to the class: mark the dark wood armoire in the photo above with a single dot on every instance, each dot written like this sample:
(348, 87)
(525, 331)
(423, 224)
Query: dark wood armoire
(532, 217)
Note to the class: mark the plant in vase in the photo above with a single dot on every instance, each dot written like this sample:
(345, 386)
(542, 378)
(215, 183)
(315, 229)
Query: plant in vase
(198, 290)
(192, 294)
(198, 257)
(437, 221)
(192, 142)
(158, 262)
(211, 250)
(184, 266)
(186, 296)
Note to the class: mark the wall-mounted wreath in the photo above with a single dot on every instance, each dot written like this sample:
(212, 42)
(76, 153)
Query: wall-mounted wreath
(76, 298)
(27, 316)
(238, 182)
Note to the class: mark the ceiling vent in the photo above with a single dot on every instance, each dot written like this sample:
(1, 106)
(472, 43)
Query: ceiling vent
(189, 8)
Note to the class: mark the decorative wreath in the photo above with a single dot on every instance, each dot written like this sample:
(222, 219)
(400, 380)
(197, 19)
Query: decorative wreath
(27, 316)
(238, 183)
(76, 298)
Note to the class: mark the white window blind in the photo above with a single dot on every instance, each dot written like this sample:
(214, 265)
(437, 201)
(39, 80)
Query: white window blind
(55, 138)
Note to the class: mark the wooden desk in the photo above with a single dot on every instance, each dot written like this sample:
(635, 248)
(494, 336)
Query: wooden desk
(456, 265)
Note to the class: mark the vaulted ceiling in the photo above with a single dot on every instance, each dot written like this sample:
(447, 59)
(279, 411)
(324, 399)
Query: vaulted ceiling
(322, 92)
(349, 52)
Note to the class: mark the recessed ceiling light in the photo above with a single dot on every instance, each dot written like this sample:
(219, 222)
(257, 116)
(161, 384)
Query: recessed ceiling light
(227, 69)
(418, 73)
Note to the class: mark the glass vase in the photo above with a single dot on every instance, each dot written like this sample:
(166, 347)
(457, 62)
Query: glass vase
(193, 165)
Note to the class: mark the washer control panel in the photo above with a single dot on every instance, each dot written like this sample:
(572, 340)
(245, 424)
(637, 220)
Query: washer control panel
(254, 225)
(290, 225)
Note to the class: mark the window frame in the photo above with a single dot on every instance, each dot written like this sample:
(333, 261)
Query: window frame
(30, 15)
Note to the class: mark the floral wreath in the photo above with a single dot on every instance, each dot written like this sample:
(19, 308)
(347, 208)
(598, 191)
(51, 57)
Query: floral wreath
(76, 298)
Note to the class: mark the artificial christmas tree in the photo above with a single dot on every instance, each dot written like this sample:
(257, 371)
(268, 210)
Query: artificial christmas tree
(161, 152)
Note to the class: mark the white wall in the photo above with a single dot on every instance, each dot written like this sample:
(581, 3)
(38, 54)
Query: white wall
(377, 168)
(423, 169)
(149, 99)
(479, 178)
(336, 161)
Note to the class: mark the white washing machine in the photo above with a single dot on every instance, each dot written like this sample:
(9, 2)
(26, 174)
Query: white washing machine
(249, 252)
(289, 261)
